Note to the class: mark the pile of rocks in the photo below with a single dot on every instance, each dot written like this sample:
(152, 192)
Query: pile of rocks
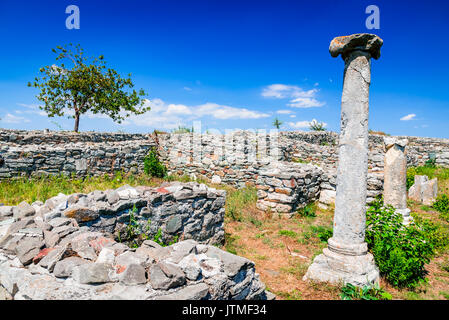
(183, 271)
(284, 186)
(66, 248)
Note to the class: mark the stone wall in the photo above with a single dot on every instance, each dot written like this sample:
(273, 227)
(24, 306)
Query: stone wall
(42, 153)
(283, 187)
(181, 210)
(321, 148)
(235, 158)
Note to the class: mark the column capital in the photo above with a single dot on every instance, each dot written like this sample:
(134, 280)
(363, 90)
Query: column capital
(366, 42)
(391, 141)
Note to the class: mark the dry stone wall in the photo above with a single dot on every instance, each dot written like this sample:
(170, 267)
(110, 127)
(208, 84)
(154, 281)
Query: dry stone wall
(175, 210)
(235, 158)
(44, 152)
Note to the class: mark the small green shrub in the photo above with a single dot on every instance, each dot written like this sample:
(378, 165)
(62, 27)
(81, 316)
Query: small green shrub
(307, 211)
(431, 163)
(182, 129)
(255, 221)
(442, 205)
(400, 251)
(153, 166)
(323, 233)
(437, 235)
(317, 126)
(298, 160)
(351, 292)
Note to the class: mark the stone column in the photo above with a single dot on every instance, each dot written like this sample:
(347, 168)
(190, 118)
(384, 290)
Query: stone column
(346, 258)
(395, 176)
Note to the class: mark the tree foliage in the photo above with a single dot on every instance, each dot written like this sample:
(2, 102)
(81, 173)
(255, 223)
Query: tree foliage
(86, 84)
(277, 123)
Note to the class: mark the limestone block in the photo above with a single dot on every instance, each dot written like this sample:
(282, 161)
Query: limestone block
(327, 196)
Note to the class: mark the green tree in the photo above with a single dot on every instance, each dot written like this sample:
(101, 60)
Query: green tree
(86, 85)
(277, 123)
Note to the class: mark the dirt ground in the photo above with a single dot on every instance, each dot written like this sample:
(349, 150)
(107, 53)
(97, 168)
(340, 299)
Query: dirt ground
(283, 248)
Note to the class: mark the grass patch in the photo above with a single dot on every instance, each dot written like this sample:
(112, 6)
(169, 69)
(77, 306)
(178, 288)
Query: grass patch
(238, 200)
(14, 191)
(308, 211)
(442, 174)
(290, 295)
(287, 233)
(321, 232)
(445, 294)
(230, 243)
(297, 269)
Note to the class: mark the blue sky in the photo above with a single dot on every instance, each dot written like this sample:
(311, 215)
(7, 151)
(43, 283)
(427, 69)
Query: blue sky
(234, 64)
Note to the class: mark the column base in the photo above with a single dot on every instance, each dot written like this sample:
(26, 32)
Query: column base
(338, 268)
(407, 218)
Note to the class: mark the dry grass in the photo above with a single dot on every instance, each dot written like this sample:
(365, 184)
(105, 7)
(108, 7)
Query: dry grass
(282, 249)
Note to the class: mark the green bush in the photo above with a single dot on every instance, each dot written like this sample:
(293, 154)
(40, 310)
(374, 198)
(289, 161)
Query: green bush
(400, 251)
(351, 292)
(436, 235)
(152, 165)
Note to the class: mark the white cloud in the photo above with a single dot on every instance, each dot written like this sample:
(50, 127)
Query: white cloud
(303, 124)
(170, 116)
(408, 117)
(167, 116)
(178, 109)
(299, 124)
(10, 118)
(33, 109)
(305, 103)
(284, 111)
(225, 112)
(187, 89)
(298, 97)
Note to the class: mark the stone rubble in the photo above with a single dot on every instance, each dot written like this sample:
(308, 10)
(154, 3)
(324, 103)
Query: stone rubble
(74, 254)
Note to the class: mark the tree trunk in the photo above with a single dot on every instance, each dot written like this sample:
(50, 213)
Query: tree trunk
(77, 121)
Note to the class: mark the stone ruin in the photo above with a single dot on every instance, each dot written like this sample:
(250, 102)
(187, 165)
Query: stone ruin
(73, 247)
(395, 177)
(284, 187)
(70, 247)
